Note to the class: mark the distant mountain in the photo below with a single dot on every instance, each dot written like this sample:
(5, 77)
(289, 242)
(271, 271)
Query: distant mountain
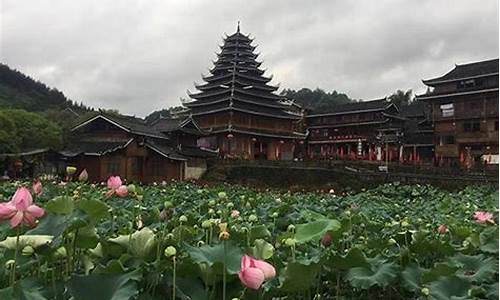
(20, 91)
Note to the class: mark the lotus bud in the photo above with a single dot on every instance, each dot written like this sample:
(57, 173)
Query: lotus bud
(131, 188)
(211, 211)
(425, 291)
(70, 170)
(170, 251)
(230, 205)
(211, 203)
(235, 214)
(206, 224)
(222, 195)
(442, 229)
(140, 197)
(252, 218)
(290, 228)
(84, 175)
(183, 219)
(274, 215)
(248, 205)
(290, 242)
(347, 212)
(326, 240)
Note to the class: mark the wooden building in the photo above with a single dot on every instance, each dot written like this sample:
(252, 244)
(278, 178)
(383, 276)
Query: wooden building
(464, 111)
(418, 134)
(243, 115)
(367, 130)
(108, 145)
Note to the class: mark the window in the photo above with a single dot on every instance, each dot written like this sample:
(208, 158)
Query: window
(472, 126)
(464, 84)
(113, 167)
(447, 110)
(447, 140)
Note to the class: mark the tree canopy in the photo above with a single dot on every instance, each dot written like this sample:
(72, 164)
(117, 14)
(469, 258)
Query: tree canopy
(316, 99)
(21, 130)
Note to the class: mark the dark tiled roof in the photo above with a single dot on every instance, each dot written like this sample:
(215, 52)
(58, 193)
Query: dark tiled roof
(415, 110)
(165, 150)
(380, 104)
(96, 148)
(196, 152)
(467, 70)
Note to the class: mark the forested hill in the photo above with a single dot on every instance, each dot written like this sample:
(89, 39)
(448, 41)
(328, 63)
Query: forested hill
(317, 99)
(22, 92)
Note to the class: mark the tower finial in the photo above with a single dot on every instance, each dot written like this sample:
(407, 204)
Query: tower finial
(238, 28)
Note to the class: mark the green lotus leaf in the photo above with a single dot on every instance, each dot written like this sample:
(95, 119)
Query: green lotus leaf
(140, 243)
(94, 208)
(105, 286)
(259, 231)
(353, 258)
(61, 205)
(411, 277)
(34, 241)
(488, 240)
(315, 230)
(298, 277)
(378, 273)
(474, 268)
(214, 255)
(449, 288)
(262, 249)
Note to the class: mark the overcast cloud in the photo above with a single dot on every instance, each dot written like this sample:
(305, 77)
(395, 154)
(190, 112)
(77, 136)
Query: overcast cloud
(142, 55)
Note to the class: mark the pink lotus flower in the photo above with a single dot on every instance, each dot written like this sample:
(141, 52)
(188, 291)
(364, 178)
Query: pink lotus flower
(116, 187)
(84, 175)
(114, 182)
(122, 191)
(20, 209)
(254, 272)
(442, 229)
(235, 214)
(37, 187)
(482, 217)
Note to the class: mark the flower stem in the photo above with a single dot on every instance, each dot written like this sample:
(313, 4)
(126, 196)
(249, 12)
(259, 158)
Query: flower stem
(14, 265)
(174, 277)
(224, 272)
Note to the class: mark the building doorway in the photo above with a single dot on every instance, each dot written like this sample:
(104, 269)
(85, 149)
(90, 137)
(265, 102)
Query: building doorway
(260, 150)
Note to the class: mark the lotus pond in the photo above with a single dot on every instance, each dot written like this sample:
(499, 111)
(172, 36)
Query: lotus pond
(186, 241)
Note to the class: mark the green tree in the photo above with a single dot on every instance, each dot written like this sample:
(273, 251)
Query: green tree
(27, 130)
(401, 98)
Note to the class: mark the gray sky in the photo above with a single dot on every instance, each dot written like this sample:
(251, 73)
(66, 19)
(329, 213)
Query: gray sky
(139, 56)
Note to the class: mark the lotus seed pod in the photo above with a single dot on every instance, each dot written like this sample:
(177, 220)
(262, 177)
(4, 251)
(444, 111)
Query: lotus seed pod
(405, 224)
(211, 203)
(290, 228)
(274, 215)
(392, 242)
(167, 204)
(170, 236)
(206, 224)
(170, 251)
(326, 240)
(219, 212)
(222, 195)
(347, 212)
(290, 242)
(252, 218)
(28, 251)
(224, 235)
(425, 291)
(199, 191)
(9, 264)
(230, 205)
(211, 211)
(183, 219)
(60, 252)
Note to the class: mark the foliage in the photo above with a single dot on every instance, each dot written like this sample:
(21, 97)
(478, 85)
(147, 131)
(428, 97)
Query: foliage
(316, 100)
(401, 98)
(22, 130)
(384, 243)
